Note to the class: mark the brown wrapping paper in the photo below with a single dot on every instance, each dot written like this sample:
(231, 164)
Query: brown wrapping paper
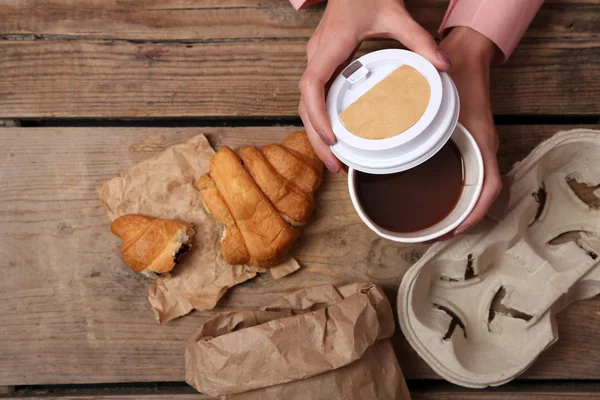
(317, 343)
(163, 187)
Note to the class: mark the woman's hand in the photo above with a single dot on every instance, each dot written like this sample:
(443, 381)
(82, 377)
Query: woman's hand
(472, 54)
(345, 24)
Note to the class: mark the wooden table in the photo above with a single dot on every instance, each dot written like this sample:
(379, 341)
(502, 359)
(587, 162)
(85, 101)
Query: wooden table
(88, 88)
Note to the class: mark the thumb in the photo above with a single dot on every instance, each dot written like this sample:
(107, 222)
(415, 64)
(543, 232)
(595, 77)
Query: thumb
(412, 35)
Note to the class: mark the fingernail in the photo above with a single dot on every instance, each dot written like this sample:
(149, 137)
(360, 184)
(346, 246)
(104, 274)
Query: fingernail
(461, 230)
(325, 139)
(332, 168)
(444, 58)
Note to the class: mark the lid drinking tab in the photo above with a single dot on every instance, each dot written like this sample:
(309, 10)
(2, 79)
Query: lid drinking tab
(352, 68)
(355, 73)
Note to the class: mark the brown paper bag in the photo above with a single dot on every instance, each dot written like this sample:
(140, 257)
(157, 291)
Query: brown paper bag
(163, 187)
(317, 343)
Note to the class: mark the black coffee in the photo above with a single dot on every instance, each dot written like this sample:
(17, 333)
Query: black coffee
(416, 199)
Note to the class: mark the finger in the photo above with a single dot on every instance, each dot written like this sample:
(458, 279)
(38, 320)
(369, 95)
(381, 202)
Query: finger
(492, 186)
(311, 49)
(328, 57)
(323, 151)
(412, 35)
(340, 68)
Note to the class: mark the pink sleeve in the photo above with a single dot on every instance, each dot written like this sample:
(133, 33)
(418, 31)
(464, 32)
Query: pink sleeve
(299, 4)
(504, 22)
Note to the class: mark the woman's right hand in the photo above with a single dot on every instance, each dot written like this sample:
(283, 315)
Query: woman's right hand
(473, 54)
(345, 24)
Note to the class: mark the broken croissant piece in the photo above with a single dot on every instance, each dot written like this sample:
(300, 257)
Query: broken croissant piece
(151, 245)
(257, 194)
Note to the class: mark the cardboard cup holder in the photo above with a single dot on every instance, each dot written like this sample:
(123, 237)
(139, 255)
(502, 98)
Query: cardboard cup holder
(479, 309)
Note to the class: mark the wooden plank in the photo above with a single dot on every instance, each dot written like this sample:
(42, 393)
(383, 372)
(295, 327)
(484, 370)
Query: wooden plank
(169, 396)
(551, 73)
(122, 79)
(235, 19)
(158, 19)
(72, 313)
(454, 395)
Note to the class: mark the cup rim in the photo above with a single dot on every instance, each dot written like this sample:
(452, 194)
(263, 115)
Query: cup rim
(400, 237)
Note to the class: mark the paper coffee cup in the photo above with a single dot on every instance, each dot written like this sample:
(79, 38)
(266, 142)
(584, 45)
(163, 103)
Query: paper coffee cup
(473, 182)
(410, 148)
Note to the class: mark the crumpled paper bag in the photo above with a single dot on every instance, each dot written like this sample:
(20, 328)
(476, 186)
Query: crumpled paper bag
(163, 187)
(317, 343)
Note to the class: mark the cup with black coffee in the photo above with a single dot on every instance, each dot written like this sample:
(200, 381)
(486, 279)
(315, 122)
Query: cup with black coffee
(415, 173)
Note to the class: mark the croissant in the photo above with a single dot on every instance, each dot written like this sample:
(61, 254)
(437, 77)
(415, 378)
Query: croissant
(152, 246)
(260, 196)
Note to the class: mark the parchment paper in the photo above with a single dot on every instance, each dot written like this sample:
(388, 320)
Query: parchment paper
(163, 187)
(317, 343)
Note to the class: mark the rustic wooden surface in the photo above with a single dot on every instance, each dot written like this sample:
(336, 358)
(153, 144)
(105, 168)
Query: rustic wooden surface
(164, 20)
(415, 396)
(72, 313)
(166, 58)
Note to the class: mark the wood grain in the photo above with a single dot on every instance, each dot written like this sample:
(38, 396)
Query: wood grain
(454, 395)
(158, 19)
(123, 79)
(551, 73)
(72, 313)
(169, 396)
(239, 19)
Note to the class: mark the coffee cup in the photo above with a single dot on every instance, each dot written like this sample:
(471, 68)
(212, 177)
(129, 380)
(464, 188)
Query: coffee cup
(419, 143)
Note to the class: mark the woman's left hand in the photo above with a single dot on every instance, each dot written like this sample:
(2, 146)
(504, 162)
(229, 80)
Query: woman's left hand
(471, 54)
(343, 27)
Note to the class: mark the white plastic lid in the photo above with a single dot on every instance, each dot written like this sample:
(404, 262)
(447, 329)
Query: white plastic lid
(413, 146)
